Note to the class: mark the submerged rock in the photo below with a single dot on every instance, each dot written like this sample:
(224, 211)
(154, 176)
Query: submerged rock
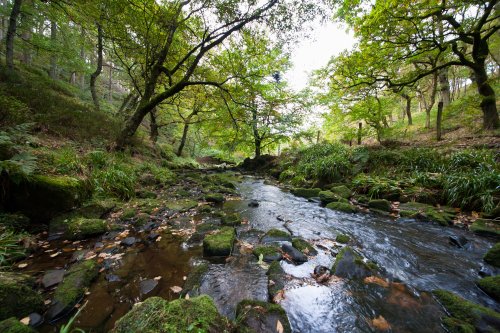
(52, 277)
(276, 235)
(261, 317)
(296, 256)
(17, 296)
(341, 238)
(147, 286)
(253, 204)
(197, 314)
(465, 316)
(193, 280)
(458, 241)
(349, 264)
(220, 243)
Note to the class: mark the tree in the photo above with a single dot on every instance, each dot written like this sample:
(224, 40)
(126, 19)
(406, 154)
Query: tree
(11, 33)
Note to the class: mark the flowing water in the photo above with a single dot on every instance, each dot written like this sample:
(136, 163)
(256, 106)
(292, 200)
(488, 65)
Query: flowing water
(416, 258)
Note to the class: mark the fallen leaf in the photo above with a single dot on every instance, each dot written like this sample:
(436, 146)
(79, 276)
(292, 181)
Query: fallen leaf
(55, 254)
(47, 301)
(279, 327)
(23, 265)
(376, 280)
(187, 296)
(158, 239)
(381, 324)
(25, 321)
(176, 289)
(158, 278)
(280, 295)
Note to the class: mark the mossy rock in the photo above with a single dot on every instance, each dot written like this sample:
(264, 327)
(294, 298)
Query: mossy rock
(193, 280)
(13, 325)
(344, 239)
(328, 196)
(269, 252)
(97, 209)
(276, 235)
(182, 205)
(149, 206)
(17, 222)
(129, 213)
(444, 216)
(493, 214)
(380, 204)
(231, 219)
(220, 243)
(42, 197)
(465, 314)
(342, 206)
(408, 213)
(305, 192)
(486, 227)
(342, 191)
(276, 274)
(81, 228)
(197, 314)
(457, 326)
(145, 194)
(18, 298)
(215, 198)
(71, 290)
(491, 286)
(303, 246)
(349, 264)
(492, 257)
(261, 317)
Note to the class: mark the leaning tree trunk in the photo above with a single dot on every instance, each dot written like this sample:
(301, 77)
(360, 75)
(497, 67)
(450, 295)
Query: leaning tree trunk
(153, 127)
(408, 108)
(183, 139)
(53, 57)
(11, 33)
(93, 77)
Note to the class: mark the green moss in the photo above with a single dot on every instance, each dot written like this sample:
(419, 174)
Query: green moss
(276, 235)
(17, 296)
(267, 251)
(257, 315)
(305, 192)
(232, 219)
(129, 213)
(303, 246)
(492, 257)
(43, 197)
(342, 206)
(197, 314)
(328, 196)
(344, 239)
(342, 191)
(457, 326)
(276, 274)
(486, 227)
(350, 264)
(12, 325)
(77, 279)
(491, 286)
(215, 197)
(81, 228)
(380, 204)
(463, 312)
(145, 194)
(148, 206)
(408, 213)
(182, 205)
(443, 217)
(220, 243)
(193, 281)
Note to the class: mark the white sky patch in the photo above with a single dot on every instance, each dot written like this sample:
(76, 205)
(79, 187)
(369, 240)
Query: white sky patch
(327, 39)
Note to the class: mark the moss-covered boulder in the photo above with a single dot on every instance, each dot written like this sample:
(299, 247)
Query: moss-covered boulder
(193, 280)
(342, 207)
(328, 196)
(349, 264)
(442, 215)
(305, 192)
(466, 316)
(269, 252)
(17, 296)
(276, 235)
(231, 219)
(220, 243)
(492, 257)
(342, 191)
(71, 290)
(491, 286)
(261, 317)
(341, 238)
(380, 204)
(486, 227)
(81, 228)
(276, 276)
(197, 314)
(181, 205)
(215, 198)
(13, 325)
(42, 197)
(303, 246)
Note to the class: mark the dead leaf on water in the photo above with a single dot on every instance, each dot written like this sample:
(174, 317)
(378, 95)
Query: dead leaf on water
(380, 323)
(376, 280)
(280, 295)
(176, 289)
(55, 254)
(25, 321)
(279, 327)
(23, 265)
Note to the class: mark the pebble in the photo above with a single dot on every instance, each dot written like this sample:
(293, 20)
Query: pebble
(129, 241)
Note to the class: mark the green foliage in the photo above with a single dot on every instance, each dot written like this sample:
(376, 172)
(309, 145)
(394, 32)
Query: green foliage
(118, 179)
(10, 246)
(16, 160)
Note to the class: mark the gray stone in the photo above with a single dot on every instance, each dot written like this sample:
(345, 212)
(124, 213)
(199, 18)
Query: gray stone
(147, 286)
(53, 277)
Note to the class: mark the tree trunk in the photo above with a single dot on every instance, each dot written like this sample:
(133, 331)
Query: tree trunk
(360, 133)
(183, 139)
(125, 102)
(488, 102)
(438, 121)
(153, 127)
(408, 108)
(53, 56)
(93, 77)
(444, 87)
(82, 56)
(11, 33)
(110, 83)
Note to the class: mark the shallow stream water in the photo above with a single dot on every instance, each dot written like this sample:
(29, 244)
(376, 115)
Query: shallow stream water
(416, 258)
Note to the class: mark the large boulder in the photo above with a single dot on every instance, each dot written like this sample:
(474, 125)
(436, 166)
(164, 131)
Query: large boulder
(305, 192)
(42, 197)
(194, 279)
(303, 246)
(380, 204)
(486, 227)
(259, 163)
(261, 317)
(197, 314)
(220, 243)
(349, 264)
(342, 191)
(18, 298)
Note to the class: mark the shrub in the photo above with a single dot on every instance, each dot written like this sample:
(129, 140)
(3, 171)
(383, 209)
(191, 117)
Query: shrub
(10, 246)
(116, 180)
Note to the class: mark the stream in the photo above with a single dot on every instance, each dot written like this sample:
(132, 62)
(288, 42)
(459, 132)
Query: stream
(416, 258)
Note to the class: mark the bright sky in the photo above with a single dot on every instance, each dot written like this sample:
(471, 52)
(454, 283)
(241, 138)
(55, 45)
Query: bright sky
(326, 40)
